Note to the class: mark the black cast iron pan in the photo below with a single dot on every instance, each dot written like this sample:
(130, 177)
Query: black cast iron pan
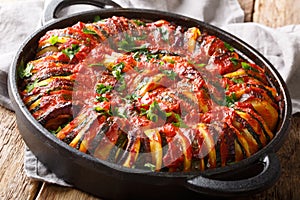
(107, 180)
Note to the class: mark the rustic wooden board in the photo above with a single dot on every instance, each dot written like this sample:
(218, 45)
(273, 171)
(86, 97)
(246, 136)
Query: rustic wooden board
(54, 192)
(13, 182)
(276, 13)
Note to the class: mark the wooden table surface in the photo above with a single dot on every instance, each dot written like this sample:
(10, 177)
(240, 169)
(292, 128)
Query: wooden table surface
(15, 185)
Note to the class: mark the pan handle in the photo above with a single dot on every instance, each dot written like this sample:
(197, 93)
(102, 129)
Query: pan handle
(56, 6)
(265, 179)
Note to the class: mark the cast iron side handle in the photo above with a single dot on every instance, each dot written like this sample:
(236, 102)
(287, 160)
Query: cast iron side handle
(266, 178)
(57, 5)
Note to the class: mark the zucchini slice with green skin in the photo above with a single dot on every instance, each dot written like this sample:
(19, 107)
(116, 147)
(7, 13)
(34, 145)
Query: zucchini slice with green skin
(80, 128)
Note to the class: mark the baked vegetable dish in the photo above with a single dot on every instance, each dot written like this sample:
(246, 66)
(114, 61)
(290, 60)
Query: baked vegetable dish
(149, 95)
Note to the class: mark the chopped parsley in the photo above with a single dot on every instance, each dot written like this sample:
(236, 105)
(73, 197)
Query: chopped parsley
(234, 61)
(101, 88)
(200, 65)
(247, 66)
(139, 22)
(150, 166)
(230, 100)
(119, 112)
(128, 44)
(25, 73)
(54, 132)
(117, 70)
(101, 110)
(164, 33)
(153, 112)
(96, 65)
(180, 123)
(132, 97)
(101, 98)
(117, 73)
(170, 74)
(229, 47)
(87, 31)
(121, 84)
(238, 80)
(71, 51)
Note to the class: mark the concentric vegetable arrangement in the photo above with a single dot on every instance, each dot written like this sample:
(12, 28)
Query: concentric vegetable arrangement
(149, 95)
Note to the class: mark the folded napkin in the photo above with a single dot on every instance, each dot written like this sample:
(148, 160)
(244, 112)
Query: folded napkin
(280, 46)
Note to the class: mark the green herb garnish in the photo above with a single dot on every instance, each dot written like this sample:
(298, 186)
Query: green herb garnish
(71, 51)
(117, 70)
(119, 112)
(139, 22)
(117, 73)
(87, 31)
(96, 65)
(230, 100)
(54, 132)
(153, 112)
(229, 47)
(234, 61)
(200, 65)
(180, 123)
(101, 88)
(101, 110)
(164, 33)
(101, 98)
(25, 73)
(150, 166)
(247, 66)
(170, 74)
(238, 80)
(128, 43)
(132, 97)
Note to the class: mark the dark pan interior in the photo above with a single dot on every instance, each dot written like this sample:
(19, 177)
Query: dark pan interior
(112, 181)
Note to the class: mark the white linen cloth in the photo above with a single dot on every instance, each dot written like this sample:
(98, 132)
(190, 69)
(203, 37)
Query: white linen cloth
(281, 46)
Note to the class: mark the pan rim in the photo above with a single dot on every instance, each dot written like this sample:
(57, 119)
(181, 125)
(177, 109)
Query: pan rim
(269, 148)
